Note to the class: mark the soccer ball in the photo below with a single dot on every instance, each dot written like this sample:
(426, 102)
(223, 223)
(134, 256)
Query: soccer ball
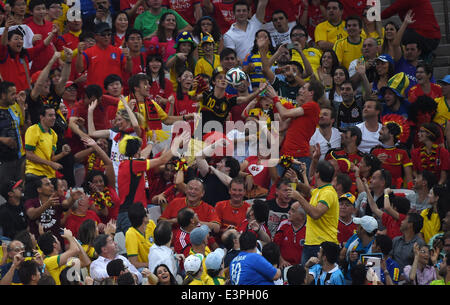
(235, 76)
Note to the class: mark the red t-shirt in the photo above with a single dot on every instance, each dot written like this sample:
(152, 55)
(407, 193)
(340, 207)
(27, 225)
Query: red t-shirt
(68, 40)
(156, 89)
(290, 7)
(259, 172)
(392, 225)
(205, 212)
(302, 128)
(417, 90)
(229, 215)
(185, 8)
(40, 61)
(290, 242)
(74, 221)
(345, 231)
(396, 161)
(100, 118)
(422, 11)
(184, 107)
(139, 168)
(181, 242)
(434, 163)
(138, 67)
(156, 184)
(353, 7)
(223, 14)
(100, 63)
(236, 112)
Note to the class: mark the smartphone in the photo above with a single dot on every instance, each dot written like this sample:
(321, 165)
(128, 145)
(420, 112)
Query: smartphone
(28, 254)
(290, 46)
(61, 231)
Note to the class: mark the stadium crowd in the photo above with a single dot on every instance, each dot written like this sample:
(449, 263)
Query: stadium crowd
(124, 159)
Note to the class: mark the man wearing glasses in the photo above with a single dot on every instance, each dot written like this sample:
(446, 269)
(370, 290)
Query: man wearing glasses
(102, 55)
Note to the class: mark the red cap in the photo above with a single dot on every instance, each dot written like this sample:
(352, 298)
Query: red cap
(70, 83)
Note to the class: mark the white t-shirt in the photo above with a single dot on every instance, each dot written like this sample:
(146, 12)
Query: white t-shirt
(277, 37)
(242, 41)
(335, 141)
(369, 139)
(242, 150)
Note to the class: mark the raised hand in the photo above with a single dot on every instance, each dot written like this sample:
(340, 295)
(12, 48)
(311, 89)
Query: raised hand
(92, 106)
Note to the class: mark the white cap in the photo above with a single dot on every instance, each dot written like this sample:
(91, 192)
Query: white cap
(193, 263)
(368, 223)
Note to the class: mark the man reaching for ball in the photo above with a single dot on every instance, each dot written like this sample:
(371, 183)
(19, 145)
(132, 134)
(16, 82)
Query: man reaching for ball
(215, 104)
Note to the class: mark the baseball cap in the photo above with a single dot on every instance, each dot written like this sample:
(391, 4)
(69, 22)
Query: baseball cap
(385, 58)
(101, 27)
(193, 263)
(70, 83)
(445, 80)
(10, 186)
(350, 197)
(214, 259)
(368, 223)
(199, 234)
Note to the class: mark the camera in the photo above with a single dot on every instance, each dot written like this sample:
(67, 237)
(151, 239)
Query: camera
(101, 7)
(28, 254)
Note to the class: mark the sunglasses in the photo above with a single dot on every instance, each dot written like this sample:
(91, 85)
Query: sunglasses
(104, 34)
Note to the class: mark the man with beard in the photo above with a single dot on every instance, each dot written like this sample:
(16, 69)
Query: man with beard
(326, 135)
(370, 127)
(350, 110)
(394, 159)
(11, 146)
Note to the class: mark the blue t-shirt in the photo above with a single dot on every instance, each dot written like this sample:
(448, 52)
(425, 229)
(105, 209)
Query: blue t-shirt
(251, 269)
(355, 244)
(404, 66)
(4, 270)
(394, 271)
(402, 110)
(333, 277)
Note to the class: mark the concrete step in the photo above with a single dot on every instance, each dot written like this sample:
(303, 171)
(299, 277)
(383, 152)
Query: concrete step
(440, 72)
(443, 49)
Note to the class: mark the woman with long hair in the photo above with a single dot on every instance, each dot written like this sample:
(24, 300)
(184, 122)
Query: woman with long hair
(161, 88)
(393, 36)
(207, 25)
(432, 217)
(120, 25)
(252, 65)
(340, 74)
(87, 233)
(194, 270)
(384, 66)
(166, 34)
(328, 63)
(165, 277)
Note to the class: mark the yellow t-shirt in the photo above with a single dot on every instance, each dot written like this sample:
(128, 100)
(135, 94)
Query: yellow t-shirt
(215, 281)
(90, 251)
(197, 282)
(324, 228)
(327, 32)
(205, 275)
(442, 111)
(137, 245)
(312, 54)
(430, 226)
(43, 144)
(149, 232)
(347, 52)
(374, 35)
(205, 67)
(53, 267)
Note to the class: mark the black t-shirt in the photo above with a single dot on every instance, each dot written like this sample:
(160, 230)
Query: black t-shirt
(349, 116)
(286, 91)
(215, 190)
(216, 109)
(12, 219)
(276, 215)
